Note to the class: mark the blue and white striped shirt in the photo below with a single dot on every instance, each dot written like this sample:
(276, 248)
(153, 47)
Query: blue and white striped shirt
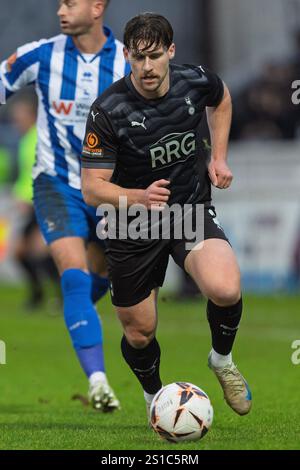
(67, 83)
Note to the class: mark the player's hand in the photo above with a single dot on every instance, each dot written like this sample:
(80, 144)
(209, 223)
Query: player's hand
(220, 174)
(157, 195)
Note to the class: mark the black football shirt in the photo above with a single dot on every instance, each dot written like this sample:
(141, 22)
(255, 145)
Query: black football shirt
(144, 140)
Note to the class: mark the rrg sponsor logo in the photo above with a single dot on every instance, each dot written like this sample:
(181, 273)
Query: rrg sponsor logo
(172, 148)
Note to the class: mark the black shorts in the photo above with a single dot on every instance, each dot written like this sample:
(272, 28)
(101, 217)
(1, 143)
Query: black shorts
(136, 267)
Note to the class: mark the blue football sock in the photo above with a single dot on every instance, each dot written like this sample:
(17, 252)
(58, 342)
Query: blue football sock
(100, 286)
(82, 320)
(91, 359)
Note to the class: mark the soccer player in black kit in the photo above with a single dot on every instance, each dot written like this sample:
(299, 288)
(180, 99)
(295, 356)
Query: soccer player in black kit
(142, 142)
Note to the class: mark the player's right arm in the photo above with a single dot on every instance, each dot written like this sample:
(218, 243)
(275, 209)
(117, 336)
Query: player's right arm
(20, 69)
(99, 156)
(97, 188)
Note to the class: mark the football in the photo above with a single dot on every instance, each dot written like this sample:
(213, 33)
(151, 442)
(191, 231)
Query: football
(180, 412)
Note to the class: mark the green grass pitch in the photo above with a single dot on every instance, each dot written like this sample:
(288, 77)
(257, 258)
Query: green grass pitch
(42, 375)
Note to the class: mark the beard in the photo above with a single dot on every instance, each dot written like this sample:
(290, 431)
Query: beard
(74, 29)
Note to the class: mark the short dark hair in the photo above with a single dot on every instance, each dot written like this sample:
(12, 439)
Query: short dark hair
(151, 28)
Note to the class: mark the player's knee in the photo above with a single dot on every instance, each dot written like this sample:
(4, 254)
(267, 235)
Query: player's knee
(226, 296)
(69, 257)
(139, 338)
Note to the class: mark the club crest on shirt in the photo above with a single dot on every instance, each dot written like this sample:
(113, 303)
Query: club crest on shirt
(189, 102)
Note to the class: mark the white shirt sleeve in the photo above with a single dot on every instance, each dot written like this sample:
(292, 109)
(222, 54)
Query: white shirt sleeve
(21, 68)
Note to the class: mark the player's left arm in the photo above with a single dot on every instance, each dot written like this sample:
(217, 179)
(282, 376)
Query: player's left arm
(219, 122)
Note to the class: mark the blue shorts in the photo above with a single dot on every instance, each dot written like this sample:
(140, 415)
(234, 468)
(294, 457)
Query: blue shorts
(61, 211)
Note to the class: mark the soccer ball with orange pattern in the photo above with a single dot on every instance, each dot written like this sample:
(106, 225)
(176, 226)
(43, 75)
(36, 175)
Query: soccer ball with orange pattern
(181, 411)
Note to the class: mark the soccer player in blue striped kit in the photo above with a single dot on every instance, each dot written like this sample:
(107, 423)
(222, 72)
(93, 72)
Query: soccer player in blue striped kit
(69, 71)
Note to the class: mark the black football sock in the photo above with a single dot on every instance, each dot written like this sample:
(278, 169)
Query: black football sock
(31, 269)
(144, 363)
(48, 267)
(224, 323)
